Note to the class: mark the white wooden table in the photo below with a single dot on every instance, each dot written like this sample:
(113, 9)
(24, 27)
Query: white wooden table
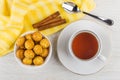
(54, 70)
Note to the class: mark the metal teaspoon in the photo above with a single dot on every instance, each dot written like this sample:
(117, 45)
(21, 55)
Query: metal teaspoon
(73, 8)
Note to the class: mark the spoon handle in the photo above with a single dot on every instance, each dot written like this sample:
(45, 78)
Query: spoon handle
(107, 21)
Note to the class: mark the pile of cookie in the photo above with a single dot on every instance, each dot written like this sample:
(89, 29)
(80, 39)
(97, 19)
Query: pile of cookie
(32, 48)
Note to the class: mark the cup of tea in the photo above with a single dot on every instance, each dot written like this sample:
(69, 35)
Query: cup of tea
(85, 45)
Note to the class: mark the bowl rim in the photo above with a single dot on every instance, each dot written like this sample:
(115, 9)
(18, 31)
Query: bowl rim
(31, 66)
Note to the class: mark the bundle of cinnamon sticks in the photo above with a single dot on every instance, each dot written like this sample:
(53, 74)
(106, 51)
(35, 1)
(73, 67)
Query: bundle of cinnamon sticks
(51, 21)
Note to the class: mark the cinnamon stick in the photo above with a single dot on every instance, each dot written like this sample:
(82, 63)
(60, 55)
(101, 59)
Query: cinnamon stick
(52, 16)
(61, 21)
(51, 21)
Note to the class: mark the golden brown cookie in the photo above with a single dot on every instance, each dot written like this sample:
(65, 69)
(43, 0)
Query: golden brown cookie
(44, 43)
(28, 36)
(22, 47)
(20, 41)
(29, 44)
(45, 52)
(38, 60)
(29, 54)
(37, 49)
(27, 61)
(20, 53)
(37, 36)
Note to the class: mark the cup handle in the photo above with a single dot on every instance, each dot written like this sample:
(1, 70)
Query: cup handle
(102, 58)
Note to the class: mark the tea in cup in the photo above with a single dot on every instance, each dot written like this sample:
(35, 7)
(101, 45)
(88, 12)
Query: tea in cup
(85, 45)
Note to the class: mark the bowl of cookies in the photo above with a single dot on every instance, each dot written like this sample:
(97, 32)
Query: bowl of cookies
(32, 49)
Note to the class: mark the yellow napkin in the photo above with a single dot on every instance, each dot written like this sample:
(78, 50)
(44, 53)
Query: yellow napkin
(17, 16)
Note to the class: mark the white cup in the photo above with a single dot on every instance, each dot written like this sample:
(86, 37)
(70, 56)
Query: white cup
(98, 55)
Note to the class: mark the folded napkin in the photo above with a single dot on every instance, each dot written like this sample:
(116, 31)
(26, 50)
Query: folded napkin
(17, 16)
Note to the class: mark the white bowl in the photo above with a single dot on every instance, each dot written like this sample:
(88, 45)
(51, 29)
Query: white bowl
(33, 66)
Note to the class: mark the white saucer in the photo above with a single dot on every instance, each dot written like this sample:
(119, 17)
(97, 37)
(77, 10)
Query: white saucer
(82, 67)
